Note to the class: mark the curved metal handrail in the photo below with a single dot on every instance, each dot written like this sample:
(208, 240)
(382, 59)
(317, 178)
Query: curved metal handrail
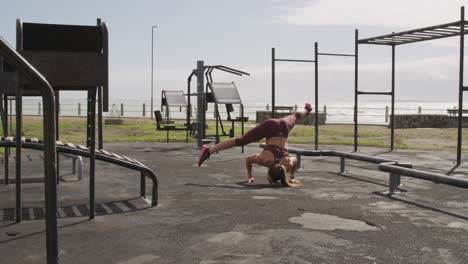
(25, 68)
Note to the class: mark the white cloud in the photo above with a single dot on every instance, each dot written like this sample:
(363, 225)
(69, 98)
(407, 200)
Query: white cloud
(387, 13)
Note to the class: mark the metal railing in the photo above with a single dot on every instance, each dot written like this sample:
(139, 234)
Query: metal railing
(47, 93)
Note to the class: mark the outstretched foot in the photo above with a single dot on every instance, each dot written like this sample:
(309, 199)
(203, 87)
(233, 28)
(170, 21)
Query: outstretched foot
(204, 155)
(308, 107)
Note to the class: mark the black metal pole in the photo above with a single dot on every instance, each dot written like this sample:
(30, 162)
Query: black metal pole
(57, 131)
(88, 120)
(19, 125)
(316, 98)
(392, 120)
(92, 148)
(189, 106)
(100, 127)
(460, 84)
(152, 67)
(273, 82)
(356, 34)
(5, 134)
(201, 101)
(242, 123)
(47, 93)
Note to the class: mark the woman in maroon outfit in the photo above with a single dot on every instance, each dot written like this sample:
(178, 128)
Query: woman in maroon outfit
(275, 154)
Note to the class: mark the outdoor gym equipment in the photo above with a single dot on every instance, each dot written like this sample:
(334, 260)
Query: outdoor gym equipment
(203, 96)
(171, 99)
(316, 84)
(453, 29)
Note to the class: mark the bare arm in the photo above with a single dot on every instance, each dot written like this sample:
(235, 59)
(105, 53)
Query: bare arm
(248, 164)
(293, 162)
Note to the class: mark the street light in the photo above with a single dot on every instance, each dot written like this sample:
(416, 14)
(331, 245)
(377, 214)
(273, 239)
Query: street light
(152, 63)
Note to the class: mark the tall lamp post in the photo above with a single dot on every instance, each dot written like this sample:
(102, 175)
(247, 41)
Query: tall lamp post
(152, 66)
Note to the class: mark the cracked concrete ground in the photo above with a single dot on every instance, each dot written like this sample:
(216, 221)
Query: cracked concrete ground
(205, 216)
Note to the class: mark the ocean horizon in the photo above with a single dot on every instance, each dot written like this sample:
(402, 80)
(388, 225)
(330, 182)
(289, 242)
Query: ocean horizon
(372, 112)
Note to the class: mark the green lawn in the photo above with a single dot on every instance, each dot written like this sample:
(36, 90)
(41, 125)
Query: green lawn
(73, 129)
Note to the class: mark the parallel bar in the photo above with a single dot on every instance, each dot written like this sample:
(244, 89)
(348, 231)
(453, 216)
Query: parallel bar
(465, 88)
(291, 60)
(423, 175)
(336, 54)
(373, 93)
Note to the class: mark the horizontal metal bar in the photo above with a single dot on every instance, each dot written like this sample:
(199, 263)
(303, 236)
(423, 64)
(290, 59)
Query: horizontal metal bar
(465, 88)
(374, 93)
(221, 67)
(402, 38)
(337, 54)
(294, 60)
(442, 31)
(456, 23)
(354, 156)
(429, 176)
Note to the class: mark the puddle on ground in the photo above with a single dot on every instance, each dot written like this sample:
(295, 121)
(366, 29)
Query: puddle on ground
(330, 222)
(263, 197)
(459, 225)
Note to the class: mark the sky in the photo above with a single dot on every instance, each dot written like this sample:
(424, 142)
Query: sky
(241, 33)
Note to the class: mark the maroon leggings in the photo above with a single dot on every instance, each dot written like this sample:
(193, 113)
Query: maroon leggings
(269, 128)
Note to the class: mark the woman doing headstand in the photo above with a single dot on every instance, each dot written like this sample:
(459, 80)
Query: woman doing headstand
(275, 154)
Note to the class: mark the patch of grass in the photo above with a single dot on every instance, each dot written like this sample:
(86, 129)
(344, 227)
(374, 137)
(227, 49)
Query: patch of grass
(73, 129)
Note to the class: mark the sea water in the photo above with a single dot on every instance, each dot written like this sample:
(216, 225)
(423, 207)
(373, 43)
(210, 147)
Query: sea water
(338, 112)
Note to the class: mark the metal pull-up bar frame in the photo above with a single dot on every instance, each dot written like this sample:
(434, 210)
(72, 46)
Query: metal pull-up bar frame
(273, 85)
(315, 61)
(357, 93)
(453, 29)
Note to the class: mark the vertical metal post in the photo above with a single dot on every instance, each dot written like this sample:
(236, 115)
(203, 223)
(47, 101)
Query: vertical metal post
(392, 119)
(88, 121)
(217, 117)
(386, 114)
(39, 108)
(100, 127)
(143, 186)
(242, 123)
(19, 125)
(316, 98)
(460, 84)
(79, 109)
(189, 107)
(11, 116)
(121, 109)
(273, 60)
(92, 148)
(5, 134)
(299, 163)
(57, 132)
(342, 165)
(144, 110)
(394, 182)
(201, 102)
(152, 68)
(356, 34)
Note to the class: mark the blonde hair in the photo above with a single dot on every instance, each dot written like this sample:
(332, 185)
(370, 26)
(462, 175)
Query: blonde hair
(277, 173)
